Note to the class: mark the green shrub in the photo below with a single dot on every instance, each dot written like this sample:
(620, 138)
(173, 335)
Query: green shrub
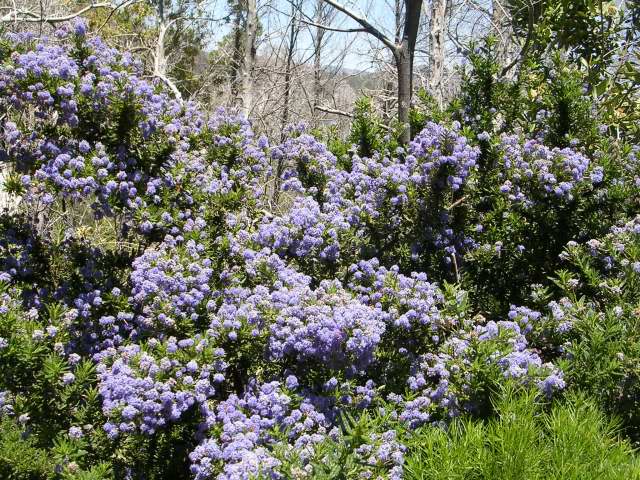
(572, 440)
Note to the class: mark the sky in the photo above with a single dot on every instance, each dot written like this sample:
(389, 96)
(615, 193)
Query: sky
(360, 48)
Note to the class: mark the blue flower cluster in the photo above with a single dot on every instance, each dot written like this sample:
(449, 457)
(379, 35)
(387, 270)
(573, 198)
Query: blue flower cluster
(533, 167)
(250, 425)
(170, 284)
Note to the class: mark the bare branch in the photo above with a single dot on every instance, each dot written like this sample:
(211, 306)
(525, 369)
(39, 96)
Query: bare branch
(113, 11)
(333, 29)
(30, 17)
(171, 86)
(525, 47)
(365, 24)
(333, 111)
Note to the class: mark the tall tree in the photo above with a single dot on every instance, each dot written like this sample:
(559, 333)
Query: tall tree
(391, 81)
(238, 28)
(244, 53)
(322, 16)
(292, 40)
(249, 56)
(437, 24)
(403, 51)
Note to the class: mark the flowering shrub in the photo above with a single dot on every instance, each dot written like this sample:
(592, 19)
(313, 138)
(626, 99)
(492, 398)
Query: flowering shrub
(591, 326)
(535, 201)
(160, 317)
(250, 425)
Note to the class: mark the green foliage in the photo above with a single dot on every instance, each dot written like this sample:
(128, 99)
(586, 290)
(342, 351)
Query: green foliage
(572, 440)
(23, 458)
(490, 102)
(341, 459)
(20, 458)
(546, 99)
(597, 39)
(569, 113)
(586, 28)
(366, 128)
(527, 439)
(599, 295)
(519, 245)
(337, 145)
(426, 109)
(368, 133)
(161, 456)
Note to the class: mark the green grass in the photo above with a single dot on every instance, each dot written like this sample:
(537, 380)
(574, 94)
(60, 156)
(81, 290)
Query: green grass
(573, 440)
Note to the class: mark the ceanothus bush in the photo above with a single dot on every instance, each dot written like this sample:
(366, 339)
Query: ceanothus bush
(149, 288)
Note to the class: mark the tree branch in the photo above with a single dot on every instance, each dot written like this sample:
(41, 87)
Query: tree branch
(333, 29)
(333, 111)
(28, 16)
(114, 10)
(171, 86)
(525, 47)
(344, 114)
(365, 24)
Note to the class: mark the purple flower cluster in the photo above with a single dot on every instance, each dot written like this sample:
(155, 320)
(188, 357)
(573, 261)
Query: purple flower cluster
(380, 195)
(143, 393)
(562, 315)
(305, 230)
(443, 382)
(328, 326)
(615, 254)
(524, 317)
(250, 425)
(443, 155)
(304, 160)
(383, 452)
(411, 301)
(170, 284)
(6, 407)
(66, 91)
(533, 169)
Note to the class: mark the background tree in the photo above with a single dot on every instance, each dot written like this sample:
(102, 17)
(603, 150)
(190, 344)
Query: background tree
(403, 53)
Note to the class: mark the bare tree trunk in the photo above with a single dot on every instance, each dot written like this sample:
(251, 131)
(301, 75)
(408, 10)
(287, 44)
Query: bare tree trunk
(390, 86)
(319, 18)
(403, 54)
(501, 27)
(237, 57)
(294, 28)
(436, 48)
(249, 56)
(160, 57)
(404, 63)
(403, 66)
(160, 64)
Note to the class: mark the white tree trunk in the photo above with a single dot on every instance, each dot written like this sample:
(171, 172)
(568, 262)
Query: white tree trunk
(501, 29)
(317, 60)
(160, 64)
(248, 57)
(437, 25)
(160, 56)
